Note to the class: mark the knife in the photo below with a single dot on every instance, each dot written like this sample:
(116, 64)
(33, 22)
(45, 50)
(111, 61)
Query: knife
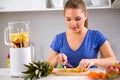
(69, 65)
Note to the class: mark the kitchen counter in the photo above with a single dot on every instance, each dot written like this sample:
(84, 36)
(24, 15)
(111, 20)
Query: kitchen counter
(4, 75)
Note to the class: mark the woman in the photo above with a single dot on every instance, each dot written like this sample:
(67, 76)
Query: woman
(79, 45)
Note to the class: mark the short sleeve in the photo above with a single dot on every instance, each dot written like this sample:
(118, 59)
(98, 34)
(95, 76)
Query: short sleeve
(99, 39)
(56, 43)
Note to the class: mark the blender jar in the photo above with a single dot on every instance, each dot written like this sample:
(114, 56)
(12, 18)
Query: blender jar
(17, 35)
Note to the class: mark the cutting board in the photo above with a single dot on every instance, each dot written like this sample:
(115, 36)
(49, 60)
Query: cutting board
(61, 72)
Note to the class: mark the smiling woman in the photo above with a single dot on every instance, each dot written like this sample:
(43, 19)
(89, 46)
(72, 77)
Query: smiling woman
(79, 45)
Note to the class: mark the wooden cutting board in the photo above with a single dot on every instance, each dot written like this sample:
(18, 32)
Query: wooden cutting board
(61, 72)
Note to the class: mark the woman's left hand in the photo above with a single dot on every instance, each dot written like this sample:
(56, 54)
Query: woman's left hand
(86, 64)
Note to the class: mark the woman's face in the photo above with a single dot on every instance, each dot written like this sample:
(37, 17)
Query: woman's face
(75, 19)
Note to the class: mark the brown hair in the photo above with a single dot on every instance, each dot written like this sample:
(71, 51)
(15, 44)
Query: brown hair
(75, 4)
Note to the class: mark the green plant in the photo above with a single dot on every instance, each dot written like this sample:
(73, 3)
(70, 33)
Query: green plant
(38, 69)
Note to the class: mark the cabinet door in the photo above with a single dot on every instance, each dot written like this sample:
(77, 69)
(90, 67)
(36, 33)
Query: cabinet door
(44, 5)
(98, 4)
(19, 5)
(91, 4)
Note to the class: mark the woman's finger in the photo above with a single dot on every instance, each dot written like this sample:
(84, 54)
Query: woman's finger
(84, 64)
(64, 58)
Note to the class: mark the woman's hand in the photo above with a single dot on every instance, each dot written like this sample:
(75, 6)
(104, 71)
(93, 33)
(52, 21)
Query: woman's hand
(61, 58)
(86, 64)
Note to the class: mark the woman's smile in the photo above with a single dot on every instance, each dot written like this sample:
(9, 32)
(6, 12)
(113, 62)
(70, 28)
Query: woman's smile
(74, 28)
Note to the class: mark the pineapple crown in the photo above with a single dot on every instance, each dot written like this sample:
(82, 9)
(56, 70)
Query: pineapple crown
(38, 69)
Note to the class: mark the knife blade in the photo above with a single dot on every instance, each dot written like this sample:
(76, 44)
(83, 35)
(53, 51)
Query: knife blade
(69, 65)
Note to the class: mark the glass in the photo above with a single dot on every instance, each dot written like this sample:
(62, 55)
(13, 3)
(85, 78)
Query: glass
(57, 3)
(17, 35)
(98, 2)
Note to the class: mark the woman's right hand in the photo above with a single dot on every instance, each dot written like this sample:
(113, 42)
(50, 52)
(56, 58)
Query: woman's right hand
(61, 58)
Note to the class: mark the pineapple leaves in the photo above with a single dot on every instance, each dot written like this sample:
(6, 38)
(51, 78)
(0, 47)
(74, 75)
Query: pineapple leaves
(31, 69)
(38, 69)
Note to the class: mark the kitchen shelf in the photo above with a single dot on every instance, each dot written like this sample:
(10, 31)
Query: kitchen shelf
(106, 4)
(41, 5)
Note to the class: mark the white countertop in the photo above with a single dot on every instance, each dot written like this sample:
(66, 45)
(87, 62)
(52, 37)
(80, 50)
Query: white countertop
(4, 75)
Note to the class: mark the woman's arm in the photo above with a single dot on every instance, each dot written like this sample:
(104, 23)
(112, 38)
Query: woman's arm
(52, 58)
(108, 56)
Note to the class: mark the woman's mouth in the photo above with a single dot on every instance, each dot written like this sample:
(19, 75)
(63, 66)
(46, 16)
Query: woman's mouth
(74, 28)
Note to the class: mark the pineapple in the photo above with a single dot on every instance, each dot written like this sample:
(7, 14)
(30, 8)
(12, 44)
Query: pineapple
(74, 69)
(38, 69)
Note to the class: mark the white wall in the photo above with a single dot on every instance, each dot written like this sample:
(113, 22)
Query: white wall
(44, 26)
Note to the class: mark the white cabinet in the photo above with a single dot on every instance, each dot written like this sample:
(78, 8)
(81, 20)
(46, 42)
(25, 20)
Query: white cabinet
(44, 5)
(91, 4)
(98, 4)
(20, 5)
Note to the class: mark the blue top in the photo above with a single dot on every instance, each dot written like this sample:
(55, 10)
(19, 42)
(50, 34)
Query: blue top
(89, 48)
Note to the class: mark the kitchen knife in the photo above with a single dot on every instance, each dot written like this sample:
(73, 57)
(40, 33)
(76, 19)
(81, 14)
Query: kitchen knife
(69, 65)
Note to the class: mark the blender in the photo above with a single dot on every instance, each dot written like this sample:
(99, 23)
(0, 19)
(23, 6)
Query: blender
(17, 37)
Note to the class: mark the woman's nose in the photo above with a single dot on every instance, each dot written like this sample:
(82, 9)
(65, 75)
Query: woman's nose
(73, 23)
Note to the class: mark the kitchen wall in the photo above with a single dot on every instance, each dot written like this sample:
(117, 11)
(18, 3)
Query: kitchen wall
(45, 25)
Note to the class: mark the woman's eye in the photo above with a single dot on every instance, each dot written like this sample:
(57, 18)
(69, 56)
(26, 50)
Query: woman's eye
(77, 19)
(68, 19)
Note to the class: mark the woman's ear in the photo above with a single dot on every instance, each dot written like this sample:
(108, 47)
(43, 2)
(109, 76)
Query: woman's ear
(86, 14)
